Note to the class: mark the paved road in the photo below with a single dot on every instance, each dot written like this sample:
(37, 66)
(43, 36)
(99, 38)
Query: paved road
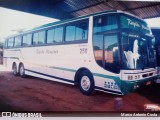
(34, 94)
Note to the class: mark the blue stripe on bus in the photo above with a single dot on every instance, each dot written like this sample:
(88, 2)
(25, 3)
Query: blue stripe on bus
(12, 58)
(66, 69)
(62, 79)
(15, 50)
(107, 90)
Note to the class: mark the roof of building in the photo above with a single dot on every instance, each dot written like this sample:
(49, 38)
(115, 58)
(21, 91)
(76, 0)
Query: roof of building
(62, 9)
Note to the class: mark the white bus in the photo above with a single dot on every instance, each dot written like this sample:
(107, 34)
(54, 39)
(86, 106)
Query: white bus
(110, 51)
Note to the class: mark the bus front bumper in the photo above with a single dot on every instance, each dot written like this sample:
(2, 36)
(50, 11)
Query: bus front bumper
(129, 86)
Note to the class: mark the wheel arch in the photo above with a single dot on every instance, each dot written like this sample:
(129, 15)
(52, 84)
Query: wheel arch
(79, 71)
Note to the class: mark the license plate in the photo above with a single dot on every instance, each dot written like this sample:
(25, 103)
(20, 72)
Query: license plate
(148, 83)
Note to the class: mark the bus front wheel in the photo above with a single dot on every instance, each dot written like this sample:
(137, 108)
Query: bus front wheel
(86, 83)
(22, 70)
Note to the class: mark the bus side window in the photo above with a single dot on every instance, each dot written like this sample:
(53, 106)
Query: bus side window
(82, 31)
(77, 31)
(24, 40)
(70, 33)
(10, 42)
(58, 34)
(55, 35)
(35, 38)
(18, 41)
(27, 40)
(50, 36)
(39, 38)
(6, 44)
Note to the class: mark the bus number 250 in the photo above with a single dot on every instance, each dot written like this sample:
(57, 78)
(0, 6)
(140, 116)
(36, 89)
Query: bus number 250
(83, 50)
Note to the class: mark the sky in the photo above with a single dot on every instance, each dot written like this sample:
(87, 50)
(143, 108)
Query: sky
(12, 20)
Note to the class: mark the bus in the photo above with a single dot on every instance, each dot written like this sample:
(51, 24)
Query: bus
(156, 33)
(109, 51)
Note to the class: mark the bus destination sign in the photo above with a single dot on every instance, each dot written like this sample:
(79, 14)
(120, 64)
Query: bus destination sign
(135, 24)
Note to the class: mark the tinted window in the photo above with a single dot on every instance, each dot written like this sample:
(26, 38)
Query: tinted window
(58, 37)
(35, 38)
(24, 40)
(41, 39)
(70, 33)
(18, 41)
(98, 49)
(27, 40)
(10, 42)
(104, 23)
(5, 44)
(82, 31)
(111, 53)
(106, 52)
(77, 31)
(50, 36)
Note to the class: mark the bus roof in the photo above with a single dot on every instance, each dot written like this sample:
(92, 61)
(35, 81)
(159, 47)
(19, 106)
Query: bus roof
(71, 20)
(81, 17)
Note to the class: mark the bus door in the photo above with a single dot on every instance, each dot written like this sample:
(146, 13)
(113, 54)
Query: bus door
(111, 57)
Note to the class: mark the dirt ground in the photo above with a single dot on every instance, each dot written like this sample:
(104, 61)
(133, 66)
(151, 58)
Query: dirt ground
(34, 94)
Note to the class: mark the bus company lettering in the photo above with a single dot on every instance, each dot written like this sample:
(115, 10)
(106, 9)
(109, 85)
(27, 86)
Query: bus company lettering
(132, 23)
(47, 51)
(136, 24)
(111, 85)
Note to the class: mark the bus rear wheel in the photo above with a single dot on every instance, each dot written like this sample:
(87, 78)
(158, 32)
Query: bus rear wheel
(22, 70)
(86, 83)
(14, 69)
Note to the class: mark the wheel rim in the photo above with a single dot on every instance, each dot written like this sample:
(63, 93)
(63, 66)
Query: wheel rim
(85, 83)
(21, 70)
(14, 69)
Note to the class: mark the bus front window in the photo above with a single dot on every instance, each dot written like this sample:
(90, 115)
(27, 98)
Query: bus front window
(137, 52)
(151, 50)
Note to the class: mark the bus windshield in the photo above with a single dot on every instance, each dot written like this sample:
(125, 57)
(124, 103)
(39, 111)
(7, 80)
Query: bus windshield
(137, 51)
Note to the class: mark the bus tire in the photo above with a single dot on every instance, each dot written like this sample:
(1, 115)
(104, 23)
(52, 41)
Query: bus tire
(86, 83)
(22, 70)
(14, 69)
